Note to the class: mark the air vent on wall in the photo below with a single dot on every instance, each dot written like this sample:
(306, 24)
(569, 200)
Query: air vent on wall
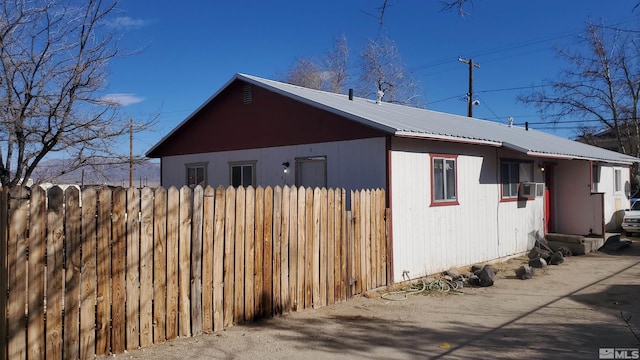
(247, 97)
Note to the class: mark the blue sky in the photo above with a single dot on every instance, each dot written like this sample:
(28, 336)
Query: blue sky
(191, 51)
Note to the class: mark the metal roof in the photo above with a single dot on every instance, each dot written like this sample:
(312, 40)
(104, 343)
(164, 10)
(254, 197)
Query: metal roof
(406, 121)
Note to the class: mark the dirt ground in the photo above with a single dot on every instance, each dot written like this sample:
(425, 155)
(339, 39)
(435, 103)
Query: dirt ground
(568, 311)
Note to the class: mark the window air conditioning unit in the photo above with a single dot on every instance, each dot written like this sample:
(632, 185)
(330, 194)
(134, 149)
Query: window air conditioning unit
(531, 190)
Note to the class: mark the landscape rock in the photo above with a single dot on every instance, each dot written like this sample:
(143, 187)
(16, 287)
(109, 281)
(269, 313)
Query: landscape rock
(556, 258)
(538, 263)
(524, 272)
(539, 253)
(565, 251)
(486, 276)
(474, 280)
(453, 273)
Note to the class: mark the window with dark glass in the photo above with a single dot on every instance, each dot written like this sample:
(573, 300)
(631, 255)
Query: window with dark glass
(512, 173)
(196, 175)
(242, 175)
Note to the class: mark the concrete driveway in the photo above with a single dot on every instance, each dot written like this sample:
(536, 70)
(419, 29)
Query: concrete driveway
(587, 305)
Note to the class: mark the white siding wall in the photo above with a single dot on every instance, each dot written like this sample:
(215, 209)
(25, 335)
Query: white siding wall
(615, 201)
(428, 239)
(354, 164)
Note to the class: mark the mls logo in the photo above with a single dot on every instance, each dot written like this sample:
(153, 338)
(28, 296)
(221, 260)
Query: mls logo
(607, 353)
(619, 353)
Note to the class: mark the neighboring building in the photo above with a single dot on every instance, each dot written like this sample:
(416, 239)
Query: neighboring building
(460, 190)
(607, 139)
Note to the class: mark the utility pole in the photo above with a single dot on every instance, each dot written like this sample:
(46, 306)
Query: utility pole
(470, 93)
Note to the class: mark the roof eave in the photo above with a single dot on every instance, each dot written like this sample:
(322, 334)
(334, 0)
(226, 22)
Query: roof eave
(449, 138)
(566, 156)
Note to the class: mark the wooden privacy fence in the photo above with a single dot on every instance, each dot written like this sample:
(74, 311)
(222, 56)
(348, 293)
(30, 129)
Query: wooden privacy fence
(105, 270)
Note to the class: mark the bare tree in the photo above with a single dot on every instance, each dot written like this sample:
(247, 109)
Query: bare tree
(384, 73)
(53, 70)
(449, 5)
(600, 83)
(336, 65)
(305, 72)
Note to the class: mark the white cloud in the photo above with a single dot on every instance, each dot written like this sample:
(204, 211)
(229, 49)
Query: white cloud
(125, 22)
(122, 99)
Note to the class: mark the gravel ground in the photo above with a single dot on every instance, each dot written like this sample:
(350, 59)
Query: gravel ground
(569, 311)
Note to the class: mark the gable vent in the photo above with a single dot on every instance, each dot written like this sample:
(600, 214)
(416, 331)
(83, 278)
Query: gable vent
(247, 96)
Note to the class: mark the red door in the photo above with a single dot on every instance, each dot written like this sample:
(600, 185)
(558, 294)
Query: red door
(549, 198)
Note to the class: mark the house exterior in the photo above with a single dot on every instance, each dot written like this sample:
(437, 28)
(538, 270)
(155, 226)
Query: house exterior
(460, 190)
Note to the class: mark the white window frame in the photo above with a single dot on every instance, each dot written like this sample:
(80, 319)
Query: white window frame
(617, 180)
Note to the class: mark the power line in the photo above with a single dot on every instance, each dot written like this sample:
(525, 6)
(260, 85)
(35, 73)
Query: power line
(532, 42)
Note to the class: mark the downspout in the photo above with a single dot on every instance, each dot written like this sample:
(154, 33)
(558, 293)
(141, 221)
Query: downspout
(389, 213)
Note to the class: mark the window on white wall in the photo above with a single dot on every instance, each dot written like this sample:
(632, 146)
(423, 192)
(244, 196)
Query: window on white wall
(617, 180)
(595, 177)
(512, 173)
(311, 171)
(196, 174)
(242, 173)
(444, 180)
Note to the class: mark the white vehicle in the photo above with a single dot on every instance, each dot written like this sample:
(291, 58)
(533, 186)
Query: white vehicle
(631, 221)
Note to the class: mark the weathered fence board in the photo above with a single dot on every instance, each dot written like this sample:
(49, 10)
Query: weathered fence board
(302, 250)
(207, 259)
(293, 248)
(249, 254)
(184, 268)
(17, 273)
(118, 279)
(133, 269)
(277, 238)
(73, 239)
(309, 256)
(229, 241)
(196, 261)
(285, 300)
(258, 253)
(239, 284)
(173, 226)
(146, 267)
(55, 264)
(88, 274)
(103, 290)
(218, 259)
(159, 264)
(331, 248)
(267, 254)
(127, 268)
(37, 234)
